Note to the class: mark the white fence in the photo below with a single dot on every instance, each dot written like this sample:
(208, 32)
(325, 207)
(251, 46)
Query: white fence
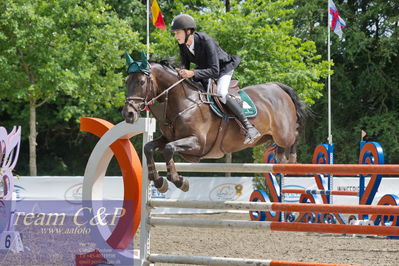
(69, 189)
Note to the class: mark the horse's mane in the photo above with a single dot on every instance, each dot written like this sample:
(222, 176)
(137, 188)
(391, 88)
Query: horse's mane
(168, 64)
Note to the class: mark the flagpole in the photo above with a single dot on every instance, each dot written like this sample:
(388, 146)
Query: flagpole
(148, 38)
(329, 76)
(148, 29)
(330, 142)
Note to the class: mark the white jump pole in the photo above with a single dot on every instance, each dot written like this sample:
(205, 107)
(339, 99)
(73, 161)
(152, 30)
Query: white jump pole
(202, 260)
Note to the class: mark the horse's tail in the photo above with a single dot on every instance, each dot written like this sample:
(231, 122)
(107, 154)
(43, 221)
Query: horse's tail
(302, 110)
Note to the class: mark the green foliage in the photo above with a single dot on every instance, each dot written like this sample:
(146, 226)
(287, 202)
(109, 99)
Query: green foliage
(64, 53)
(132, 11)
(365, 84)
(260, 32)
(257, 155)
(383, 129)
(66, 50)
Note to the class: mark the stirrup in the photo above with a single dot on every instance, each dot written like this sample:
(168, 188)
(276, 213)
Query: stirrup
(249, 139)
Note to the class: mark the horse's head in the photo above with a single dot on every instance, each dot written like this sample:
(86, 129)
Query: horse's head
(145, 84)
(139, 88)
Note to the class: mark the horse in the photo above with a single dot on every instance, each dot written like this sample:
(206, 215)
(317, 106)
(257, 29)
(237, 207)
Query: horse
(191, 129)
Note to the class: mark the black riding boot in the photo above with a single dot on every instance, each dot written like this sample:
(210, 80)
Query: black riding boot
(252, 133)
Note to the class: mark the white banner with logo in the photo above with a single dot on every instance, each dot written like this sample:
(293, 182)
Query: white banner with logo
(208, 189)
(389, 185)
(69, 189)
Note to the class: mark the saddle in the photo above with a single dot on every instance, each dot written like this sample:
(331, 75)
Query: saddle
(234, 92)
(249, 109)
(158, 110)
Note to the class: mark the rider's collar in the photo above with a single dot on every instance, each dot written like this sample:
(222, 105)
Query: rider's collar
(191, 47)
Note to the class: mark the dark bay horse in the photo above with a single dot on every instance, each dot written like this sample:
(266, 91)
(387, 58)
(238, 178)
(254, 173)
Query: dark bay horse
(192, 130)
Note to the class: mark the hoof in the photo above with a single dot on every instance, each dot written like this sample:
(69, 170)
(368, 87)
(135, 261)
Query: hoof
(164, 186)
(185, 185)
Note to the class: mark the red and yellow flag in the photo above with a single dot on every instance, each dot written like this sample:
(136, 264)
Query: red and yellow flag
(157, 18)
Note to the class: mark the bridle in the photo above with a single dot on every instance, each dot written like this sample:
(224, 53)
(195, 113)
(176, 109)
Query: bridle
(139, 103)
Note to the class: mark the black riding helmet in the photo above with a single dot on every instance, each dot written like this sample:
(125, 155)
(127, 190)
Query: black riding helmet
(182, 22)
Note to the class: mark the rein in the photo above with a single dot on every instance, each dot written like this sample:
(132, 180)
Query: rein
(166, 91)
(140, 104)
(144, 102)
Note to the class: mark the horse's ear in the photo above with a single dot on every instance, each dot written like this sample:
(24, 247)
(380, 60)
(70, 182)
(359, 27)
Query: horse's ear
(129, 59)
(144, 58)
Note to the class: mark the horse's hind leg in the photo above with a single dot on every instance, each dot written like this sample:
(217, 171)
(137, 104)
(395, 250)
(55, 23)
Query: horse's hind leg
(292, 156)
(158, 144)
(286, 147)
(293, 149)
(189, 144)
(281, 155)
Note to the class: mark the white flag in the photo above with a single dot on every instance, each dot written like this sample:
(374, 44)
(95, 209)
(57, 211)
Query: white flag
(335, 22)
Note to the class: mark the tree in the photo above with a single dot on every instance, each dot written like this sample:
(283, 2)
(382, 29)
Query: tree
(365, 84)
(64, 52)
(81, 73)
(262, 34)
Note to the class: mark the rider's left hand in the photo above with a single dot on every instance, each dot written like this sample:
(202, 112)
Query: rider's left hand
(186, 73)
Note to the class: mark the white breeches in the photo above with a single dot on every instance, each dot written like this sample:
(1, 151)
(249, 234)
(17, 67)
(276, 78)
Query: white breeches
(223, 84)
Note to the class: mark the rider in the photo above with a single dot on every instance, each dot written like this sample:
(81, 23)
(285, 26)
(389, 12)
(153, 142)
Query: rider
(212, 62)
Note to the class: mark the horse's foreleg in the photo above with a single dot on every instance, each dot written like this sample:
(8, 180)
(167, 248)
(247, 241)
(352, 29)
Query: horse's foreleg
(179, 181)
(158, 144)
(189, 144)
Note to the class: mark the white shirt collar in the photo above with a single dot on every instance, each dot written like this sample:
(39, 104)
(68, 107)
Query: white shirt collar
(191, 47)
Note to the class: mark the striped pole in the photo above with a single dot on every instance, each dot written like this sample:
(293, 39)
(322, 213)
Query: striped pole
(291, 169)
(276, 206)
(202, 260)
(278, 226)
(320, 192)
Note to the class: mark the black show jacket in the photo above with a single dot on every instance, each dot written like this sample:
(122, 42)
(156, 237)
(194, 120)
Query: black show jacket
(211, 60)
